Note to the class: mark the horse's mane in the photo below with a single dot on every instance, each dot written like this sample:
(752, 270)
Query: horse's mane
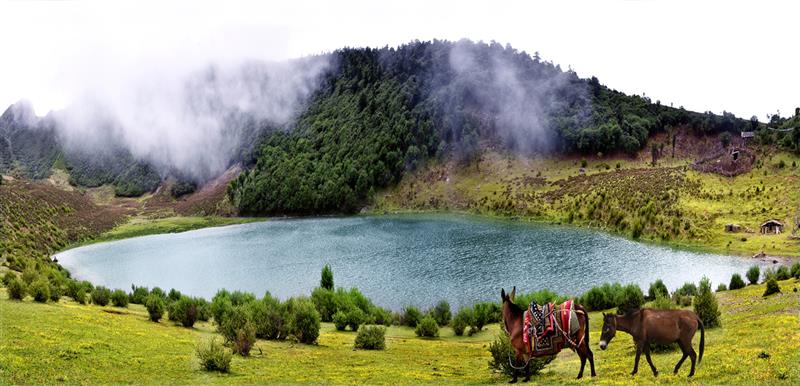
(515, 308)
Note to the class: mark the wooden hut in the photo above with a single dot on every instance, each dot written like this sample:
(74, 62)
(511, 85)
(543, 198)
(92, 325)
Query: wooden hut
(733, 228)
(772, 226)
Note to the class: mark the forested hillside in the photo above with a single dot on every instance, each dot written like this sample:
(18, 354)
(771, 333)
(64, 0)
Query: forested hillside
(380, 112)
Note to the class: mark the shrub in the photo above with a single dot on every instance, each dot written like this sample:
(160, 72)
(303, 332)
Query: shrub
(463, 319)
(326, 281)
(138, 294)
(203, 309)
(688, 289)
(155, 307)
(239, 298)
(221, 306)
(736, 282)
(381, 316)
(80, 296)
(340, 320)
(119, 298)
(184, 311)
(40, 290)
(16, 289)
(501, 351)
(427, 327)
(101, 295)
(753, 274)
(441, 313)
(355, 317)
(245, 340)
(270, 317)
(722, 287)
(9, 275)
(782, 273)
(663, 303)
(73, 286)
(304, 320)
(540, 297)
(657, 287)
(482, 313)
(603, 297)
(632, 298)
(213, 356)
(795, 271)
(159, 292)
(236, 320)
(174, 295)
(371, 337)
(325, 302)
(29, 275)
(705, 304)
(411, 316)
(772, 287)
(55, 292)
(682, 300)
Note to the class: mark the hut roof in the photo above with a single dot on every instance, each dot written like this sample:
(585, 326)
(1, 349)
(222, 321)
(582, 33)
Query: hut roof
(772, 222)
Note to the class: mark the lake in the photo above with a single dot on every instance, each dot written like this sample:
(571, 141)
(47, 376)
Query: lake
(395, 260)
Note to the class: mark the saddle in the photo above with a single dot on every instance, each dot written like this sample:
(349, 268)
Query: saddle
(541, 334)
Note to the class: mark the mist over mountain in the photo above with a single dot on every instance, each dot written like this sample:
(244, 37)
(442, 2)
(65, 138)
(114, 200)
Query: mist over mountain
(321, 133)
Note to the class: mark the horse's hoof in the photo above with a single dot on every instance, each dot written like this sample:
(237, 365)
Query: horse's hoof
(655, 373)
(526, 380)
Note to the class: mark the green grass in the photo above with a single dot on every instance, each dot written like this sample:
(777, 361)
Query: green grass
(674, 205)
(65, 342)
(140, 226)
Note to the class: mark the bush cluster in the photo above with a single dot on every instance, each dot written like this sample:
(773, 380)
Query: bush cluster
(213, 356)
(607, 296)
(155, 307)
(427, 327)
(705, 305)
(501, 350)
(736, 282)
(772, 287)
(753, 274)
(101, 296)
(40, 290)
(371, 337)
(119, 298)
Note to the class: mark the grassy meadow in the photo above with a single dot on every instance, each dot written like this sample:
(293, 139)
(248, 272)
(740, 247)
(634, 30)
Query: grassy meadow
(669, 203)
(65, 342)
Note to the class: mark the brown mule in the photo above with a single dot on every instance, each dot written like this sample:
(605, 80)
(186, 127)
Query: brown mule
(513, 318)
(656, 326)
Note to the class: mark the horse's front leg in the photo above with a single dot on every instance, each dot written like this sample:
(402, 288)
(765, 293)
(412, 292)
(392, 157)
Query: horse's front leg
(639, 347)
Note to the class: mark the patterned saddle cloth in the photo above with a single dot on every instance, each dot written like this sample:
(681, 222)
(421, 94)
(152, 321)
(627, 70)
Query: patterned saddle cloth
(544, 337)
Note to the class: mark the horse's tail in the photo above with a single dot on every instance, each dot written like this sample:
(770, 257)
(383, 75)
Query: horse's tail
(702, 339)
(586, 319)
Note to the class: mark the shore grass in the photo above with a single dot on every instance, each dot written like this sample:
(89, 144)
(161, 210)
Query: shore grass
(71, 343)
(141, 226)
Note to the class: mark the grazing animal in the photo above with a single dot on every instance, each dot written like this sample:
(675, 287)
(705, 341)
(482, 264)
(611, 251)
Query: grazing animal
(514, 321)
(656, 326)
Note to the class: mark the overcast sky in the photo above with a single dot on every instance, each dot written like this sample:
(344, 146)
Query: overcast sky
(710, 55)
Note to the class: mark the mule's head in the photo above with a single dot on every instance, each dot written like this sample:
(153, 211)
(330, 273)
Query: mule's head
(609, 330)
(508, 306)
(508, 297)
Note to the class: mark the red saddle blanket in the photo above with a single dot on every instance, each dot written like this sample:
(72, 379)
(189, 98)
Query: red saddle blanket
(552, 339)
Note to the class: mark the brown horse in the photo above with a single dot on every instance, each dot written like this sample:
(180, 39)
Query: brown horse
(656, 326)
(514, 316)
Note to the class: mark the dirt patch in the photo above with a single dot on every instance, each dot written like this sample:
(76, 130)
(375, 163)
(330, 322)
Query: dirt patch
(728, 163)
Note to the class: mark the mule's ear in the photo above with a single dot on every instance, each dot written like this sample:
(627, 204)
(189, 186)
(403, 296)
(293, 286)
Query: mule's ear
(513, 293)
(502, 294)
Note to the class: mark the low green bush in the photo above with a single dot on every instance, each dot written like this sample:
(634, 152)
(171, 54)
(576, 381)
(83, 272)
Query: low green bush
(753, 274)
(441, 313)
(662, 302)
(687, 289)
(304, 320)
(16, 289)
(221, 306)
(340, 320)
(772, 287)
(155, 307)
(481, 312)
(325, 302)
(782, 273)
(355, 318)
(40, 290)
(632, 298)
(464, 318)
(80, 296)
(174, 295)
(203, 309)
(270, 317)
(184, 311)
(722, 287)
(602, 297)
(101, 295)
(380, 316)
(119, 298)
(411, 316)
(239, 298)
(157, 291)
(501, 350)
(55, 292)
(236, 320)
(705, 305)
(29, 275)
(8, 276)
(138, 294)
(427, 327)
(795, 271)
(736, 282)
(657, 287)
(213, 356)
(371, 337)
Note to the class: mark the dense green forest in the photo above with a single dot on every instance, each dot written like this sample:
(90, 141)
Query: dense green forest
(380, 112)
